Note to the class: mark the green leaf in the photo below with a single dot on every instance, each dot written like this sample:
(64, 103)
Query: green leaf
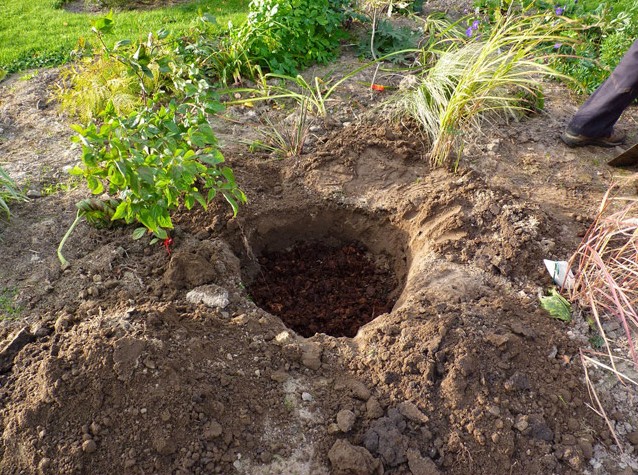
(76, 171)
(95, 185)
(121, 43)
(160, 233)
(139, 233)
(121, 211)
(208, 18)
(103, 25)
(557, 306)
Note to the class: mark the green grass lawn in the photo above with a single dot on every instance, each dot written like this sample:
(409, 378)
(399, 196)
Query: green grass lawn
(35, 33)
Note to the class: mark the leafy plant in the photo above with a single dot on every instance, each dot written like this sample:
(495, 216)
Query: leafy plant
(159, 157)
(224, 56)
(8, 192)
(154, 160)
(600, 34)
(469, 81)
(292, 34)
(388, 39)
(557, 306)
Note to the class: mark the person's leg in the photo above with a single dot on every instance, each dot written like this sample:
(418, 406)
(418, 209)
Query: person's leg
(597, 116)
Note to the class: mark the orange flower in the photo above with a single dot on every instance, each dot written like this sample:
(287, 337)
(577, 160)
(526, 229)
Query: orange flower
(377, 87)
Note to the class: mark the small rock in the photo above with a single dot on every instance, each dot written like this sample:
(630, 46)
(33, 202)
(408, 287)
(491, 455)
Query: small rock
(521, 424)
(421, 465)
(333, 428)
(358, 389)
(213, 430)
(500, 341)
(518, 381)
(164, 446)
(34, 194)
(284, 338)
(373, 408)
(149, 363)
(347, 459)
(210, 295)
(311, 356)
(587, 448)
(280, 376)
(633, 438)
(306, 396)
(411, 412)
(345, 420)
(89, 446)
(44, 465)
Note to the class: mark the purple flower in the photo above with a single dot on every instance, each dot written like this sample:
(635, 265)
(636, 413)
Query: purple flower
(559, 10)
(558, 45)
(469, 32)
(475, 24)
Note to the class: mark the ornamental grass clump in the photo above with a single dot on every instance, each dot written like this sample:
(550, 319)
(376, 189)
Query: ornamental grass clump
(466, 82)
(606, 284)
(8, 192)
(607, 269)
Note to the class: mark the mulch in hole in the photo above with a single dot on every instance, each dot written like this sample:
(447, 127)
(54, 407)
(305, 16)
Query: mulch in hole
(314, 288)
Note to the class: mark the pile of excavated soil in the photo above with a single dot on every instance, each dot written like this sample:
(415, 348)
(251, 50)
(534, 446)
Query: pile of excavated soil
(137, 361)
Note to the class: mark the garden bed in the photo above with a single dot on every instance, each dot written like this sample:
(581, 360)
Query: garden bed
(137, 360)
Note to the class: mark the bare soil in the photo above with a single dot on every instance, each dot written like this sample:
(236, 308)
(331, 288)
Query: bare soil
(137, 361)
(314, 288)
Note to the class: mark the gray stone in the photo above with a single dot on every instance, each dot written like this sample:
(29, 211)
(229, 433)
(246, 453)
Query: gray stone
(211, 295)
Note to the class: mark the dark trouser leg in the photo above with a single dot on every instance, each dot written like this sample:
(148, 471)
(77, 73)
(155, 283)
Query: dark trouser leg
(597, 116)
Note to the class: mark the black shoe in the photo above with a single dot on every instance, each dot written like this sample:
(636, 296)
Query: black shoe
(577, 140)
